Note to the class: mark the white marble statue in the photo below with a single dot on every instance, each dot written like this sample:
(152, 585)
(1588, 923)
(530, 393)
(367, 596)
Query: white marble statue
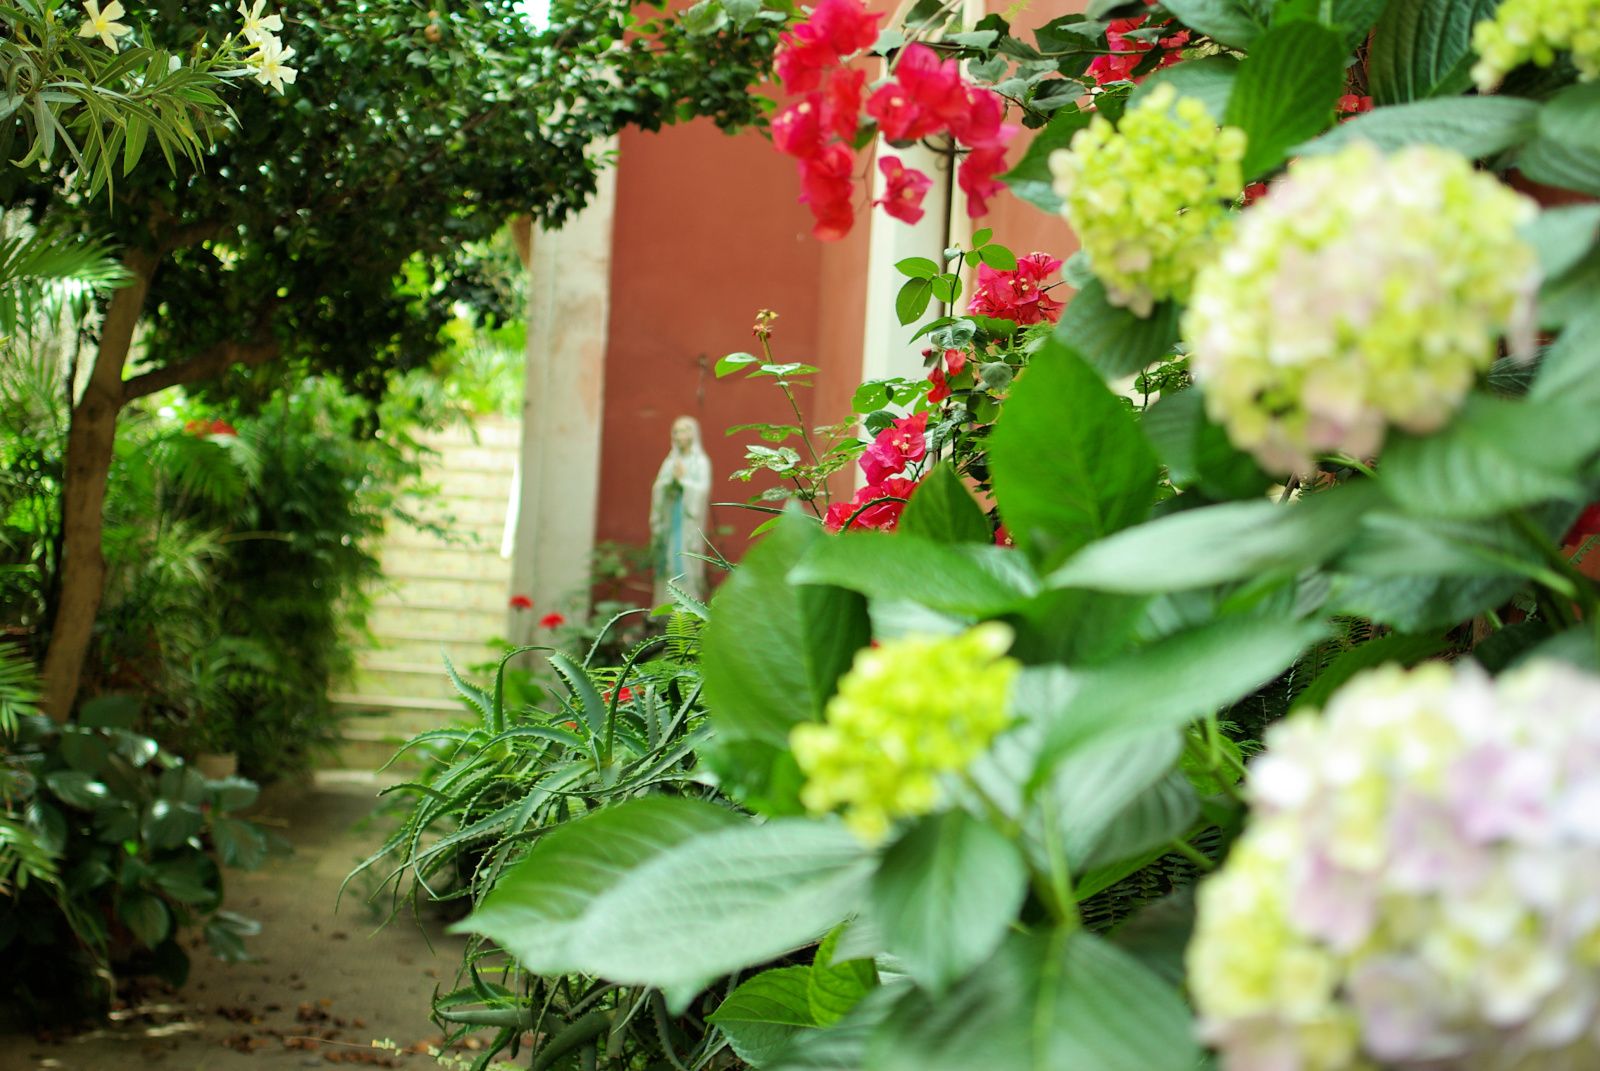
(679, 512)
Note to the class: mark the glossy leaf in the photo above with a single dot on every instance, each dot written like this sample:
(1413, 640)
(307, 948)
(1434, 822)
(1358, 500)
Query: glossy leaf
(944, 896)
(1423, 48)
(1069, 463)
(762, 1014)
(1472, 126)
(944, 511)
(961, 578)
(1114, 340)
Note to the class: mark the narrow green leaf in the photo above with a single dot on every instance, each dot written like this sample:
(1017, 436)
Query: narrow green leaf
(1472, 126)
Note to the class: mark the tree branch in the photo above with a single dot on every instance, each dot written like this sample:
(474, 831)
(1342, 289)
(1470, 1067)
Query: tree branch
(203, 365)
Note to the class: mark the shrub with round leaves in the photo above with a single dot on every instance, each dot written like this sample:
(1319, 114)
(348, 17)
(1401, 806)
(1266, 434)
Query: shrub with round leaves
(1148, 198)
(908, 712)
(1365, 291)
(1417, 887)
(1535, 31)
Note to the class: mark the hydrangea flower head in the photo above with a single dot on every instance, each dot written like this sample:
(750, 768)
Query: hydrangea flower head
(908, 712)
(1366, 291)
(1533, 31)
(1416, 889)
(1149, 198)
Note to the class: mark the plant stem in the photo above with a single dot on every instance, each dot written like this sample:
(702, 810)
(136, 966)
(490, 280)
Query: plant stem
(1193, 854)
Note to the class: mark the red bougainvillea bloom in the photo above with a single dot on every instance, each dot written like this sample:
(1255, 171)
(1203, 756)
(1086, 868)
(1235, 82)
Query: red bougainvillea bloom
(882, 516)
(1002, 538)
(906, 188)
(934, 85)
(955, 360)
(521, 602)
(841, 102)
(797, 130)
(981, 122)
(622, 697)
(1018, 295)
(552, 620)
(1128, 52)
(825, 184)
(896, 446)
(976, 177)
(940, 389)
(1254, 192)
(1351, 105)
(836, 28)
(899, 118)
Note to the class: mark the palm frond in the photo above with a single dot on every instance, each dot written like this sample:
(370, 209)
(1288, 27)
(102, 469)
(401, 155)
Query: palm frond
(48, 273)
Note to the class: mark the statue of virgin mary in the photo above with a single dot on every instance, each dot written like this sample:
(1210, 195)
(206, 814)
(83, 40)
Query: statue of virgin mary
(679, 511)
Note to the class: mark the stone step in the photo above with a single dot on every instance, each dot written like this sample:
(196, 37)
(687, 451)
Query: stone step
(453, 624)
(467, 563)
(487, 596)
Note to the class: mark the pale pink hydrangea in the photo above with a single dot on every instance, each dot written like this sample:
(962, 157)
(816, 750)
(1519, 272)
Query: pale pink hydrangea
(1419, 887)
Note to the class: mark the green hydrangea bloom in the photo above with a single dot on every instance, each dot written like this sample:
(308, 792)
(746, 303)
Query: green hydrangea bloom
(1524, 31)
(1363, 291)
(1149, 199)
(908, 712)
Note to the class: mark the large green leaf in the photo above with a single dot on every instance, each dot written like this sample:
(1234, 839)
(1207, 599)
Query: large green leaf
(1498, 454)
(1177, 679)
(1472, 126)
(1571, 368)
(1197, 452)
(944, 511)
(1423, 48)
(168, 824)
(1160, 814)
(945, 894)
(1031, 179)
(1197, 548)
(653, 892)
(1093, 784)
(1114, 340)
(1209, 80)
(1044, 1002)
(1232, 22)
(1069, 463)
(1567, 151)
(961, 578)
(762, 1014)
(1286, 91)
(773, 651)
(147, 917)
(1421, 603)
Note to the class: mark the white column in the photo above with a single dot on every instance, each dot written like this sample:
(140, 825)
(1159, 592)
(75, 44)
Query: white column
(885, 350)
(569, 286)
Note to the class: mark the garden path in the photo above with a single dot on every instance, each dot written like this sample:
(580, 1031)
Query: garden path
(324, 984)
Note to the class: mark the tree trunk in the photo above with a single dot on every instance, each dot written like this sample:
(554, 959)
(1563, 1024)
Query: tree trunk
(91, 444)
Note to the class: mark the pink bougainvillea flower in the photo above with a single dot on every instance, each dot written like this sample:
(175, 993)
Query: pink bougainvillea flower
(896, 446)
(1128, 52)
(841, 102)
(981, 122)
(835, 29)
(880, 515)
(521, 602)
(899, 118)
(935, 85)
(826, 187)
(1018, 295)
(906, 188)
(552, 620)
(797, 130)
(940, 388)
(956, 360)
(976, 176)
(846, 25)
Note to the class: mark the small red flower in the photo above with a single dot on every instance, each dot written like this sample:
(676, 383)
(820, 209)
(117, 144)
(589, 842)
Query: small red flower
(881, 515)
(552, 620)
(1018, 295)
(826, 187)
(976, 177)
(906, 188)
(896, 446)
(899, 118)
(1352, 105)
(1002, 538)
(1587, 524)
(1254, 192)
(797, 130)
(841, 102)
(1128, 52)
(521, 602)
(569, 725)
(221, 427)
(955, 360)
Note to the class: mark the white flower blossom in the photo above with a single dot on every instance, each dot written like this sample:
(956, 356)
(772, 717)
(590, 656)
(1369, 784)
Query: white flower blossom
(258, 27)
(271, 64)
(102, 23)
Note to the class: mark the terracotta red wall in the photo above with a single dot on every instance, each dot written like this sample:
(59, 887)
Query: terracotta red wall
(707, 232)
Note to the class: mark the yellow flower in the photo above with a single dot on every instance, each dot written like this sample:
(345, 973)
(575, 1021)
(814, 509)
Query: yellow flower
(908, 712)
